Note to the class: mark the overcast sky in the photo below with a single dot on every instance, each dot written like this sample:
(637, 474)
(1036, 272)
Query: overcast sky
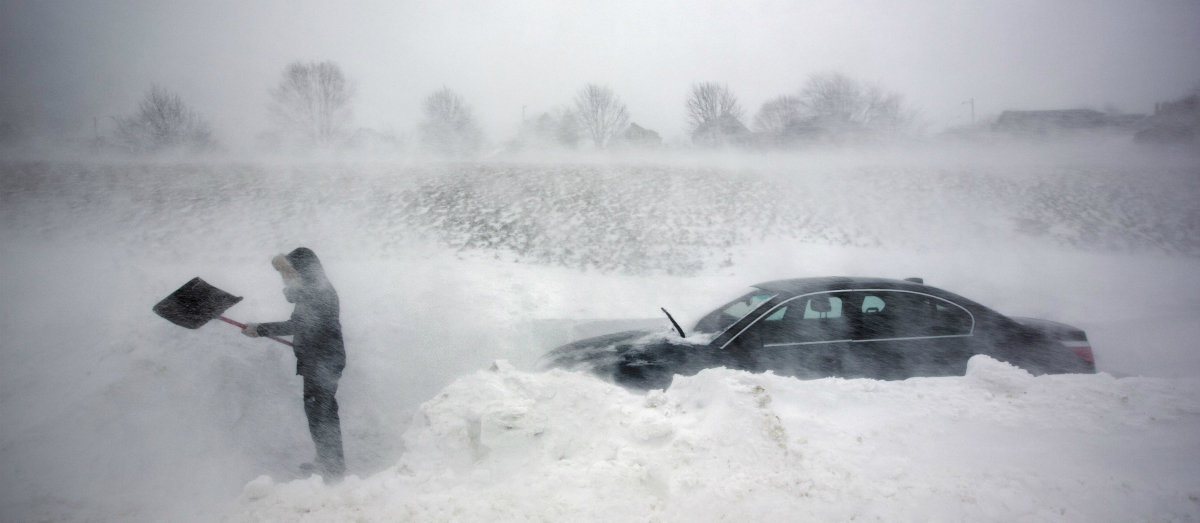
(74, 60)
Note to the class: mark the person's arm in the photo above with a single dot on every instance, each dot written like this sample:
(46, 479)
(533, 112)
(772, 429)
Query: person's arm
(277, 328)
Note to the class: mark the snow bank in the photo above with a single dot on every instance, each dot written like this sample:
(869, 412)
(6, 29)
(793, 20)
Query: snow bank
(995, 445)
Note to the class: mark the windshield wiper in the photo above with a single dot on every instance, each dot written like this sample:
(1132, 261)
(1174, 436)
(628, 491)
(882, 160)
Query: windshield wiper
(677, 328)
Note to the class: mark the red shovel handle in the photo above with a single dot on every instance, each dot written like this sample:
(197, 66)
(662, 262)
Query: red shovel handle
(243, 325)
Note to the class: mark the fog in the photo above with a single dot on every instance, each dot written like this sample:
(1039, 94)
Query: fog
(451, 250)
(66, 63)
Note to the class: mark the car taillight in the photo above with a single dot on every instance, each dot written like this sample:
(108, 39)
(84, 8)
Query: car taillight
(1082, 349)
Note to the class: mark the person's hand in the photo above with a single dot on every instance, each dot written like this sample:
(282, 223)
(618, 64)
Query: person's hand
(251, 330)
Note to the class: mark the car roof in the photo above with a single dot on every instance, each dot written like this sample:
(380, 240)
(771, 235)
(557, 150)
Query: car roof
(796, 286)
(828, 283)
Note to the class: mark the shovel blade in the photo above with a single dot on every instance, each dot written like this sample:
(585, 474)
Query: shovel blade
(195, 304)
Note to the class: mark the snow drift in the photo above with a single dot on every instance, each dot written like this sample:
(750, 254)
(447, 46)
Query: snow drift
(995, 445)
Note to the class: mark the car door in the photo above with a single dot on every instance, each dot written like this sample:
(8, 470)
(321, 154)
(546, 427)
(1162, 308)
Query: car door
(804, 336)
(901, 334)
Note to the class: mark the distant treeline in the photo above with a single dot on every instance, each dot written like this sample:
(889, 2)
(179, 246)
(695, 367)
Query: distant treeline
(313, 107)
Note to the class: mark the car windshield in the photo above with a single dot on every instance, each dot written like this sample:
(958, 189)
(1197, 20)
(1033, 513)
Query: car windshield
(726, 315)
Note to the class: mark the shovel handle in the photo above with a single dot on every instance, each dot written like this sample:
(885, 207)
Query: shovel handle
(243, 325)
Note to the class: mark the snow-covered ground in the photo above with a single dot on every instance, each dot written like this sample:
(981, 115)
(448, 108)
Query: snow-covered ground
(995, 445)
(109, 413)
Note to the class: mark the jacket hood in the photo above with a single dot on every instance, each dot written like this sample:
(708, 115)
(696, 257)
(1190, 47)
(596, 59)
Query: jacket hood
(305, 261)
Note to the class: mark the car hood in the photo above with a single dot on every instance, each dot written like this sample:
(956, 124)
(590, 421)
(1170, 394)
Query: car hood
(602, 354)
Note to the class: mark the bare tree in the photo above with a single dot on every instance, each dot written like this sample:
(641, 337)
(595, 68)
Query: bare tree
(162, 122)
(709, 102)
(601, 112)
(312, 102)
(779, 114)
(839, 103)
(449, 127)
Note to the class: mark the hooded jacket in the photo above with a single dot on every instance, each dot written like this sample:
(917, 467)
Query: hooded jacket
(314, 325)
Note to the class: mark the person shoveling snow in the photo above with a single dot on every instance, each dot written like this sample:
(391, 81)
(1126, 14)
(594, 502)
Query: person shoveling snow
(320, 353)
(317, 342)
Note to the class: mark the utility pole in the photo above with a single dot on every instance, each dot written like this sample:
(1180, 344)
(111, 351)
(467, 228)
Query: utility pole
(972, 102)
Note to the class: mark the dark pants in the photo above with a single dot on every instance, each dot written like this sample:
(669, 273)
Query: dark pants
(323, 424)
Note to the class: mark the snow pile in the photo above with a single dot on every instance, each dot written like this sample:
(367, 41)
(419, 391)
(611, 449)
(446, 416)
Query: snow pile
(994, 445)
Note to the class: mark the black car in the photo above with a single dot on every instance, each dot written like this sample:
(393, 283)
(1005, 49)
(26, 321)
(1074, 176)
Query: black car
(840, 327)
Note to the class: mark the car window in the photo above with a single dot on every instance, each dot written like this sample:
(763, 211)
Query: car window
(835, 309)
(808, 319)
(887, 314)
(877, 320)
(726, 315)
(873, 304)
(741, 308)
(948, 319)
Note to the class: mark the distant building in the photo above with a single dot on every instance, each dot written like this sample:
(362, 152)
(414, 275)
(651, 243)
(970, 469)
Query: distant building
(1049, 122)
(721, 131)
(1064, 121)
(556, 129)
(1128, 122)
(1173, 122)
(638, 136)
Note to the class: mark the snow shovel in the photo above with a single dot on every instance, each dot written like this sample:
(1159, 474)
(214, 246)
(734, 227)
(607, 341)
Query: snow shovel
(197, 303)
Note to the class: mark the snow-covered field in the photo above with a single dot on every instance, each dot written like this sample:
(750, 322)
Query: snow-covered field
(108, 413)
